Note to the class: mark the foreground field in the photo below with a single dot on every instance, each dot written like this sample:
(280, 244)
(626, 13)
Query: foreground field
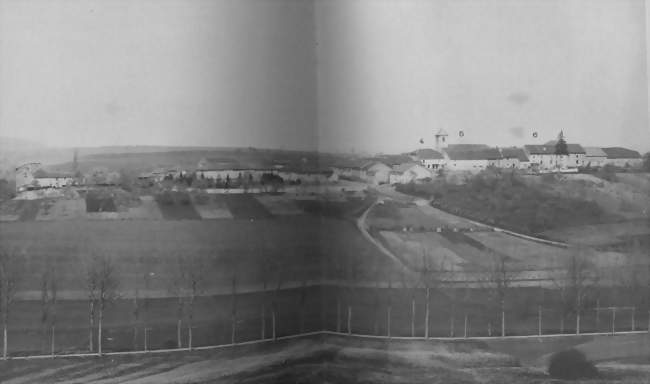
(335, 359)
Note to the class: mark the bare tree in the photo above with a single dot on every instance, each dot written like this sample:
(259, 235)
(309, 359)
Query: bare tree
(500, 276)
(187, 284)
(233, 311)
(102, 285)
(431, 278)
(11, 271)
(412, 287)
(48, 303)
(303, 276)
(279, 279)
(576, 277)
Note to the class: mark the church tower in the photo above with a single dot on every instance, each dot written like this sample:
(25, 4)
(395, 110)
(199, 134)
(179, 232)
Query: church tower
(441, 139)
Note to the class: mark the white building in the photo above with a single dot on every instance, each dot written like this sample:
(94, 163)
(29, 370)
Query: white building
(472, 160)
(376, 172)
(595, 157)
(430, 159)
(32, 176)
(544, 157)
(409, 172)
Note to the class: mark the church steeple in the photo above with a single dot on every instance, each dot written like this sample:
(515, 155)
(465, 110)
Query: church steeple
(441, 139)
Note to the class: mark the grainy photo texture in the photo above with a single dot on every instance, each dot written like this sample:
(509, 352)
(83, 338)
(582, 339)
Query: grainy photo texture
(324, 191)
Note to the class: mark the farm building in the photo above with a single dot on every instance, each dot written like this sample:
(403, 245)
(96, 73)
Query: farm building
(376, 172)
(313, 176)
(349, 168)
(513, 157)
(595, 157)
(408, 172)
(472, 160)
(429, 158)
(228, 169)
(32, 176)
(622, 157)
(544, 157)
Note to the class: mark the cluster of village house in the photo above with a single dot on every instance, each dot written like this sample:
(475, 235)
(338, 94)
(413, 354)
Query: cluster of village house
(422, 164)
(425, 162)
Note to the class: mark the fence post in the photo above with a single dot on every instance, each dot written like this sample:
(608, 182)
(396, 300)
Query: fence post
(465, 327)
(349, 319)
(426, 315)
(633, 322)
(577, 321)
(597, 315)
(613, 320)
(388, 310)
(503, 323)
(539, 320)
(146, 334)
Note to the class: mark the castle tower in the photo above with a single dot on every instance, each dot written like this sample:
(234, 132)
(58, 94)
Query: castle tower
(441, 139)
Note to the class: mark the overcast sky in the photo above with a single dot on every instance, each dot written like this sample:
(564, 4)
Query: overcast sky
(244, 72)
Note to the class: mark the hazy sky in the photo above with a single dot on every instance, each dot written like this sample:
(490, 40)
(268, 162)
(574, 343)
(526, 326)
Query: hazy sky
(177, 72)
(338, 75)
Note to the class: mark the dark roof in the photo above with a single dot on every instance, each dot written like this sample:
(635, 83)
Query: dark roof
(428, 154)
(480, 154)
(401, 168)
(349, 163)
(621, 153)
(391, 160)
(41, 174)
(514, 152)
(467, 147)
(595, 152)
(534, 149)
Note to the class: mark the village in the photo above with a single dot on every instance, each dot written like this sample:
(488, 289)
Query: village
(420, 165)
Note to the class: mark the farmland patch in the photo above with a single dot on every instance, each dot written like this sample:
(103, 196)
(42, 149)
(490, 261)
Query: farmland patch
(96, 202)
(209, 207)
(62, 209)
(243, 206)
(176, 206)
(279, 204)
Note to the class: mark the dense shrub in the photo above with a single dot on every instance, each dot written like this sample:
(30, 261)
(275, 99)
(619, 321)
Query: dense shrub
(571, 364)
(504, 199)
(608, 173)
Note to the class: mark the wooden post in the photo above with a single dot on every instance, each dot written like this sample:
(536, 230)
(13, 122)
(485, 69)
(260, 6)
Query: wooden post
(465, 327)
(426, 315)
(597, 315)
(179, 344)
(633, 323)
(388, 310)
(338, 315)
(539, 320)
(189, 337)
(146, 339)
(577, 321)
(349, 319)
(613, 320)
(263, 322)
(273, 323)
(413, 316)
(52, 342)
(503, 323)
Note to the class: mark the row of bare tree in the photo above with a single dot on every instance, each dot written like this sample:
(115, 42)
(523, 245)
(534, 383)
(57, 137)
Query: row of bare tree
(575, 282)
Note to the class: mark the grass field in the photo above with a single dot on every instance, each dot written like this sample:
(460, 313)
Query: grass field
(335, 359)
(297, 245)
